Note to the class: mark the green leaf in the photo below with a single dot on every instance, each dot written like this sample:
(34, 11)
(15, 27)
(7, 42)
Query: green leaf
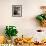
(10, 31)
(45, 16)
(40, 18)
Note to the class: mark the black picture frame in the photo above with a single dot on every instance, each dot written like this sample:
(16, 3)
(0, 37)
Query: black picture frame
(17, 10)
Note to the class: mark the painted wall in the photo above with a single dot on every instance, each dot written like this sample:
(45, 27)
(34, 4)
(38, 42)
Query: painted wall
(26, 24)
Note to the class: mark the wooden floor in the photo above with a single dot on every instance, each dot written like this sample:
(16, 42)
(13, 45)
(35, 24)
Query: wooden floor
(30, 45)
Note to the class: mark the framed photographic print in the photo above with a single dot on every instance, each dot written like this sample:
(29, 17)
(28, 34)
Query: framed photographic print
(16, 10)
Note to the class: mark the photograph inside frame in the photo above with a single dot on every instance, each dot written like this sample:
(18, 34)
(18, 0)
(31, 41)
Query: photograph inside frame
(16, 10)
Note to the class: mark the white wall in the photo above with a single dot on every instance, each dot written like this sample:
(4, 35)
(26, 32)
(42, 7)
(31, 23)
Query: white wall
(25, 24)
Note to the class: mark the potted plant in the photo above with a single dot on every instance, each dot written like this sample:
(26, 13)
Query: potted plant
(10, 31)
(42, 17)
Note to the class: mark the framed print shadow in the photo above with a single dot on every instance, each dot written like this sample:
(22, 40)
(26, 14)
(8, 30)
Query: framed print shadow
(16, 10)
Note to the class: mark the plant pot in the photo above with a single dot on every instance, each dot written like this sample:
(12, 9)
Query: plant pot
(9, 41)
(43, 23)
(13, 38)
